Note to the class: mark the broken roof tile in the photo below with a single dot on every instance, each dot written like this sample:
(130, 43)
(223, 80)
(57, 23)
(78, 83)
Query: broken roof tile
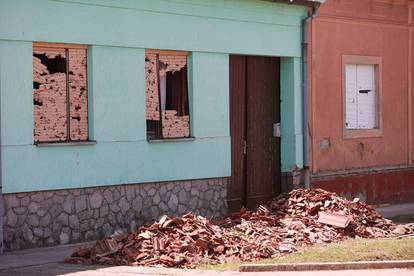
(278, 228)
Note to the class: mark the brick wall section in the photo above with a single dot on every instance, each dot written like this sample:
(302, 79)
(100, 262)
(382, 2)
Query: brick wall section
(152, 98)
(78, 94)
(47, 218)
(173, 126)
(50, 99)
(50, 106)
(171, 63)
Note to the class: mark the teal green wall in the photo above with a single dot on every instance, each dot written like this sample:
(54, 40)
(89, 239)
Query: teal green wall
(118, 36)
(231, 26)
(291, 115)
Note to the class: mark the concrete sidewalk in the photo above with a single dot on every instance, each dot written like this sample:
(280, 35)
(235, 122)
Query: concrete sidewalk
(83, 270)
(36, 256)
(394, 210)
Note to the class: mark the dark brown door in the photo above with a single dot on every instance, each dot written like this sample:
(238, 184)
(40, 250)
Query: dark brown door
(254, 109)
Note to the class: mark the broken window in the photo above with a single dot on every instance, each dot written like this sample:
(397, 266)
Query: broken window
(60, 94)
(167, 108)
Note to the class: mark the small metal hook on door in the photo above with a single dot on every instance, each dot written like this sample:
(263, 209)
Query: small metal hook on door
(276, 130)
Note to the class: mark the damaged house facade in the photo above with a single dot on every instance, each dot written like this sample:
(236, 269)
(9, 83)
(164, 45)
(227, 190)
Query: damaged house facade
(360, 99)
(116, 112)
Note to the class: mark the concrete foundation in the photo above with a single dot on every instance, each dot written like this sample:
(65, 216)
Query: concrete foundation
(378, 187)
(45, 218)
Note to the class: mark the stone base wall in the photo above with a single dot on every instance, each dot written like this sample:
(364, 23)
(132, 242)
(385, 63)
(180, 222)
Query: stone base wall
(48, 218)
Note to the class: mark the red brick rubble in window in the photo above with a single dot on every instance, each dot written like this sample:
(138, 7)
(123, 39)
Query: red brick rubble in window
(152, 99)
(49, 98)
(50, 73)
(78, 95)
(171, 63)
(173, 126)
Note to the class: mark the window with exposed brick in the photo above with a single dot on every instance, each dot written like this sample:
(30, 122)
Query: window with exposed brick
(167, 108)
(60, 93)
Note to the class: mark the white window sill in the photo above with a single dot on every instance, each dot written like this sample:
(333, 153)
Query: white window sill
(65, 144)
(167, 140)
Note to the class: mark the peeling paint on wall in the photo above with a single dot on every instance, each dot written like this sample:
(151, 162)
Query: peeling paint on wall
(55, 70)
(325, 144)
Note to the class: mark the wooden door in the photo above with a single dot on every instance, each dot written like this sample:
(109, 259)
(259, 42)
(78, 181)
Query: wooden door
(254, 108)
(236, 188)
(263, 149)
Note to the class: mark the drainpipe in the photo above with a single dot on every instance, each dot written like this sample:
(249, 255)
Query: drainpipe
(305, 21)
(1, 185)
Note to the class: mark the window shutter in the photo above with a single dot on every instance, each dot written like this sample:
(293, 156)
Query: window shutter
(351, 105)
(366, 97)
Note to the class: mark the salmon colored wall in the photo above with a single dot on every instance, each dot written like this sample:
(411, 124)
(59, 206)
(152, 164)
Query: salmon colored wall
(366, 28)
(411, 80)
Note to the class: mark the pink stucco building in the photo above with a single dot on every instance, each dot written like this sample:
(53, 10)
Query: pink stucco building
(360, 99)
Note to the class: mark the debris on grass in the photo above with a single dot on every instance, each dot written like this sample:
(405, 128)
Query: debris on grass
(297, 219)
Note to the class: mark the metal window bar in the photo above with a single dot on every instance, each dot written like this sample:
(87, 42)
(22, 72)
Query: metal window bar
(157, 64)
(187, 108)
(67, 97)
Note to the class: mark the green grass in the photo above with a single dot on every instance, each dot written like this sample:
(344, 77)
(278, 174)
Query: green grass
(347, 251)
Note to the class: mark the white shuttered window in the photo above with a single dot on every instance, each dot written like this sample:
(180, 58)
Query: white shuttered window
(361, 97)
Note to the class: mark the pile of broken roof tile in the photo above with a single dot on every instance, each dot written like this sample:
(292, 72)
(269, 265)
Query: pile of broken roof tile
(300, 218)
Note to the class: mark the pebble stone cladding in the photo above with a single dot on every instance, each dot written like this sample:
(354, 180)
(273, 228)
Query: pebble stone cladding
(46, 218)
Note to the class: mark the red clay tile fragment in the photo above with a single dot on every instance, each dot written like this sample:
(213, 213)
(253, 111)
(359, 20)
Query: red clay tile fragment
(275, 229)
(337, 220)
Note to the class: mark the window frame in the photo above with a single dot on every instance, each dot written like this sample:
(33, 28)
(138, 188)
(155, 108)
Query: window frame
(68, 140)
(160, 136)
(377, 63)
